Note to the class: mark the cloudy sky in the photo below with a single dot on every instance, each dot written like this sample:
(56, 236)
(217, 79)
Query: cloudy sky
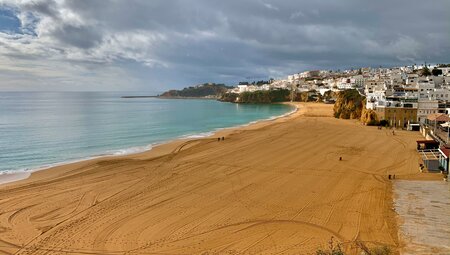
(154, 45)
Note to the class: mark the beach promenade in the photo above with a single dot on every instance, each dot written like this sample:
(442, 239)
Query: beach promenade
(276, 187)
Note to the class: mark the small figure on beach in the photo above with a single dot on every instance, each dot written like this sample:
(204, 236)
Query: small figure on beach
(393, 132)
(223, 138)
(389, 176)
(340, 158)
(218, 139)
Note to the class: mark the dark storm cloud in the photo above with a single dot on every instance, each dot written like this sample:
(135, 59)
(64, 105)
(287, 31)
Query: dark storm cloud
(176, 43)
(78, 36)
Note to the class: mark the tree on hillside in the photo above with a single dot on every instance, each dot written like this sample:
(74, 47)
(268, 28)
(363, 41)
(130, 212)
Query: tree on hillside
(436, 71)
(425, 71)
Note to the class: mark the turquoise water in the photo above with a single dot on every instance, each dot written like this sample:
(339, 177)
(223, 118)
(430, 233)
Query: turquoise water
(39, 129)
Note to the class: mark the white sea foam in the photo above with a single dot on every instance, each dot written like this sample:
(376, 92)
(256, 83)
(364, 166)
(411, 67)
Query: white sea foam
(132, 150)
(23, 173)
(199, 135)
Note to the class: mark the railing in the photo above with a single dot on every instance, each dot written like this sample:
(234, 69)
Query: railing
(439, 134)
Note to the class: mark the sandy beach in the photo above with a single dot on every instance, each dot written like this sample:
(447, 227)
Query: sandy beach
(276, 187)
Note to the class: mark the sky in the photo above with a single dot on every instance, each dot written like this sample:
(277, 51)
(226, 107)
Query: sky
(155, 45)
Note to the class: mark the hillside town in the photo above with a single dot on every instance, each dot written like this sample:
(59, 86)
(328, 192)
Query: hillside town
(403, 96)
(415, 98)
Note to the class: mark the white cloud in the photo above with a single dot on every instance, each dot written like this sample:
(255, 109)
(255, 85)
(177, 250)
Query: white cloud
(271, 7)
(161, 43)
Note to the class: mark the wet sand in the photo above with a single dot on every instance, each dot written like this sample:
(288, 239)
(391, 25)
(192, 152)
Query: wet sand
(275, 187)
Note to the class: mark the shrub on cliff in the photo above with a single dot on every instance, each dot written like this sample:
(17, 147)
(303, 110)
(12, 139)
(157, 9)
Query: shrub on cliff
(203, 90)
(265, 96)
(308, 96)
(229, 97)
(349, 104)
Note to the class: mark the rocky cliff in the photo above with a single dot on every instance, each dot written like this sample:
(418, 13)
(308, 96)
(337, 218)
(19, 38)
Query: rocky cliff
(349, 105)
(368, 116)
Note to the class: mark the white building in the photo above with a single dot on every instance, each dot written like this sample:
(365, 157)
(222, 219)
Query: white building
(425, 88)
(445, 71)
(358, 80)
(426, 107)
(243, 88)
(439, 94)
(373, 85)
(346, 83)
(412, 80)
(373, 99)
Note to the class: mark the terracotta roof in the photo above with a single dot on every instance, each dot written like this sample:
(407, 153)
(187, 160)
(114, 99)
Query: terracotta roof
(427, 141)
(438, 117)
(445, 151)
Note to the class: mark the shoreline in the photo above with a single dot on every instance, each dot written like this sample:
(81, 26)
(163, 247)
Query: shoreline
(265, 189)
(12, 176)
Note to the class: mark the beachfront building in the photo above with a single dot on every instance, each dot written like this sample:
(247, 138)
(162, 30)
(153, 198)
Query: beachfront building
(399, 112)
(375, 98)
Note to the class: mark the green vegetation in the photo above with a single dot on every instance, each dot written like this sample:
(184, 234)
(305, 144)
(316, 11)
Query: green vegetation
(384, 123)
(276, 95)
(258, 83)
(265, 96)
(425, 71)
(378, 250)
(436, 71)
(328, 95)
(204, 90)
(229, 97)
(258, 97)
(334, 248)
(349, 105)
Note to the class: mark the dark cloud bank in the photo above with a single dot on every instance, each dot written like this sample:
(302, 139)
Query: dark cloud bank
(157, 44)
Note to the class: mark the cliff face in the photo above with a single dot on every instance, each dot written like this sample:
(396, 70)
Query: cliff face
(368, 116)
(349, 105)
(258, 97)
(204, 90)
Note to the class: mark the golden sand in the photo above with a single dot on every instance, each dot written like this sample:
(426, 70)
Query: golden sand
(272, 188)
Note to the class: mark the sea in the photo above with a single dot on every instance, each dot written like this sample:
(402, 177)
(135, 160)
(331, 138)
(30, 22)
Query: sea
(44, 129)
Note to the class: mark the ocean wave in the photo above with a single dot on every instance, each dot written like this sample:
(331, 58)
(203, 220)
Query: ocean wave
(198, 135)
(136, 149)
(132, 150)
